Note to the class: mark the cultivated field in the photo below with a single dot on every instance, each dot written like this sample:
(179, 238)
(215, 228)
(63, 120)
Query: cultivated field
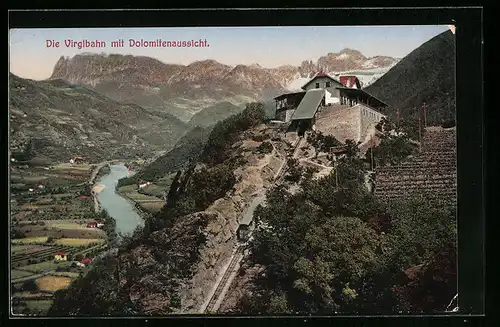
(136, 196)
(52, 283)
(127, 188)
(153, 190)
(31, 240)
(152, 206)
(25, 249)
(45, 220)
(79, 241)
(66, 274)
(38, 307)
(45, 266)
(15, 274)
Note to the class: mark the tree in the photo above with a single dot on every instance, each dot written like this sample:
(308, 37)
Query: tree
(265, 148)
(419, 234)
(294, 172)
(29, 285)
(16, 233)
(224, 133)
(434, 284)
(211, 184)
(385, 125)
(420, 229)
(321, 142)
(95, 294)
(393, 148)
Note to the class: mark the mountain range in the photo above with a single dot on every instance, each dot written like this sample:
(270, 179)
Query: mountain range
(184, 91)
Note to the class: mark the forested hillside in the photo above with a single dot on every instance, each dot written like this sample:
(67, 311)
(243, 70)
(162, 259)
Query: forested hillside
(430, 69)
(324, 245)
(332, 247)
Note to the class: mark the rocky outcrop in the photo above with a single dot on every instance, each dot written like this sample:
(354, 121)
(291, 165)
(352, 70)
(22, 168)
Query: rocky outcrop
(220, 232)
(147, 271)
(92, 69)
(242, 285)
(220, 242)
(174, 270)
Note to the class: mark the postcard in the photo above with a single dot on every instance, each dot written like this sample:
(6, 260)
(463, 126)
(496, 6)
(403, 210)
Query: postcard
(300, 170)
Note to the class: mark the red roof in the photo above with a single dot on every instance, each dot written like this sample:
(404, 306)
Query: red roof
(93, 223)
(84, 197)
(61, 253)
(349, 81)
(87, 260)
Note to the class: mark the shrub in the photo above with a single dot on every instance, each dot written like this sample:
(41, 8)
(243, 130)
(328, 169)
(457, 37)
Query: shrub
(15, 233)
(30, 285)
(211, 184)
(265, 147)
(322, 143)
(259, 137)
(294, 170)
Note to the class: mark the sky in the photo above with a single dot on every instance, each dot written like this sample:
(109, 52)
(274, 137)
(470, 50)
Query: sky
(270, 47)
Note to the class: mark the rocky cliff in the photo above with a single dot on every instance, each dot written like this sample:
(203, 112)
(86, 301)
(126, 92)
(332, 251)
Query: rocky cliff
(200, 243)
(172, 264)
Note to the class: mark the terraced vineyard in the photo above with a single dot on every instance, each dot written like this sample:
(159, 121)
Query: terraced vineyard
(47, 254)
(432, 172)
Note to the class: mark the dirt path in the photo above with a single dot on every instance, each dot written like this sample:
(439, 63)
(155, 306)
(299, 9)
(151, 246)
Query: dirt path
(96, 189)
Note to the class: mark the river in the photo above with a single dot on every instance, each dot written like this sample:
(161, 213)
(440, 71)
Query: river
(121, 209)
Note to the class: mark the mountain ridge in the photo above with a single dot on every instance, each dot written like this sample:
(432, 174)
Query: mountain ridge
(426, 69)
(185, 90)
(95, 68)
(67, 119)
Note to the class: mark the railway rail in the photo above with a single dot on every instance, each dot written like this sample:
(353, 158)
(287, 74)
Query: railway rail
(222, 284)
(218, 295)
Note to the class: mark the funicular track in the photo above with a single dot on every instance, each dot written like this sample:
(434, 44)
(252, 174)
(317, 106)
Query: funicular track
(219, 294)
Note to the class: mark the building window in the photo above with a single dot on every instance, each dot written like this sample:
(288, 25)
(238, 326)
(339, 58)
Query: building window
(317, 85)
(327, 84)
